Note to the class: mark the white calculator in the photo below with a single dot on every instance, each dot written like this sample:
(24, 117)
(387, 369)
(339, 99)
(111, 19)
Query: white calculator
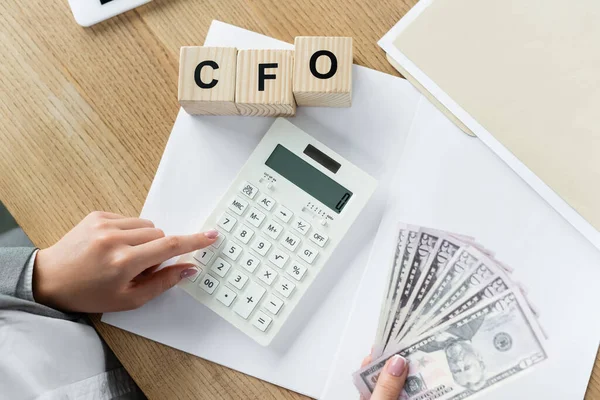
(279, 222)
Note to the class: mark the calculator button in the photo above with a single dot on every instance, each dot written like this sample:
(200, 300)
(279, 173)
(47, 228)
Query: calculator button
(290, 241)
(267, 275)
(249, 299)
(278, 258)
(232, 250)
(209, 284)
(285, 287)
(220, 267)
(255, 217)
(204, 256)
(273, 304)
(249, 262)
(237, 280)
(273, 229)
(283, 214)
(226, 296)
(296, 270)
(244, 234)
(249, 190)
(266, 202)
(261, 246)
(196, 275)
(227, 222)
(238, 206)
(219, 241)
(261, 321)
(301, 226)
(308, 254)
(319, 239)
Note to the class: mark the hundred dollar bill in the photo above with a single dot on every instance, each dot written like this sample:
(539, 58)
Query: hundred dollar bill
(484, 348)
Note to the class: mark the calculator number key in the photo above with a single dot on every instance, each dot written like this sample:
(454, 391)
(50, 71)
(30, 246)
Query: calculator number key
(290, 241)
(267, 275)
(308, 254)
(278, 258)
(285, 287)
(273, 229)
(266, 202)
(237, 280)
(209, 284)
(220, 267)
(261, 321)
(319, 239)
(249, 190)
(192, 278)
(273, 304)
(227, 222)
(301, 226)
(255, 218)
(203, 256)
(261, 246)
(296, 271)
(249, 299)
(226, 296)
(232, 251)
(238, 206)
(283, 214)
(249, 262)
(244, 234)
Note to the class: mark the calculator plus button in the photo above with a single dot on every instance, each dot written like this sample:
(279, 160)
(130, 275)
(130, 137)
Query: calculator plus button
(273, 229)
(219, 241)
(249, 262)
(273, 304)
(296, 271)
(278, 258)
(290, 241)
(249, 299)
(204, 256)
(209, 284)
(301, 226)
(232, 250)
(266, 202)
(237, 280)
(255, 217)
(249, 190)
(227, 222)
(285, 287)
(261, 321)
(238, 205)
(220, 267)
(308, 254)
(261, 245)
(267, 275)
(244, 234)
(193, 278)
(226, 296)
(283, 214)
(318, 238)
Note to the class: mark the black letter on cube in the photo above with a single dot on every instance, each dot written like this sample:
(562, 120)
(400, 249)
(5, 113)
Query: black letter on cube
(198, 70)
(262, 76)
(313, 64)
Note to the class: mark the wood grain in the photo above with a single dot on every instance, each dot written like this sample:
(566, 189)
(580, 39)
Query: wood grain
(86, 113)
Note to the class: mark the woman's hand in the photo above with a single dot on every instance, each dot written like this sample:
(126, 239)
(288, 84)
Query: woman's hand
(107, 263)
(391, 380)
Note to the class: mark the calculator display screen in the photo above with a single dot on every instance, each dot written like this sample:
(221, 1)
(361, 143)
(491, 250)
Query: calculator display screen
(308, 178)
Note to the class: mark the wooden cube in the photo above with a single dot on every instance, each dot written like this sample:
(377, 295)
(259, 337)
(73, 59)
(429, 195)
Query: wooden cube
(207, 80)
(264, 83)
(323, 71)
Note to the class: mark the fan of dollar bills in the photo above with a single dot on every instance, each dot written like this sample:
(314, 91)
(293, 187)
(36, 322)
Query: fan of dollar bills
(454, 313)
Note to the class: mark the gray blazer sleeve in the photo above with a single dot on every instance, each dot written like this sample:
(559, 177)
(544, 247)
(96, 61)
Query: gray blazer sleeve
(16, 291)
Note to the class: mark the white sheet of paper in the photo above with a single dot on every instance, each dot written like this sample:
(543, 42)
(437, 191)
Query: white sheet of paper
(450, 181)
(563, 208)
(202, 157)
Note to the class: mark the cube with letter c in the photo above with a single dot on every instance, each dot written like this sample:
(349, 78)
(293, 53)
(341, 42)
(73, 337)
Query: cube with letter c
(207, 80)
(323, 71)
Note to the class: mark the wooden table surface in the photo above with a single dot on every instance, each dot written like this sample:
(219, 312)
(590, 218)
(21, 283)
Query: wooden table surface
(86, 113)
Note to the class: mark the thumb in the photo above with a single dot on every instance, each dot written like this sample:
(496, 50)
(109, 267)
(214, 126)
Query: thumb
(391, 380)
(160, 281)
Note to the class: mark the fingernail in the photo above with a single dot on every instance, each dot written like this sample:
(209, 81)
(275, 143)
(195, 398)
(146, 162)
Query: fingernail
(212, 234)
(186, 273)
(397, 365)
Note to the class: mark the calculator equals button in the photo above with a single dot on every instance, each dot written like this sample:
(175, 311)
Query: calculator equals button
(261, 321)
